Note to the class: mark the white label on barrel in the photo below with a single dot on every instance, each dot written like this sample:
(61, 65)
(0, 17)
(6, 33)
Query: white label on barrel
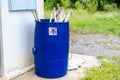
(52, 31)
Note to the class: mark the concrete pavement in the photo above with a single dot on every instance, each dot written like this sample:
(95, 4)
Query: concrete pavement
(90, 61)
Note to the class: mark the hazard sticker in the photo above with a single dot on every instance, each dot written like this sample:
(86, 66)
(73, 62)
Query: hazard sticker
(52, 31)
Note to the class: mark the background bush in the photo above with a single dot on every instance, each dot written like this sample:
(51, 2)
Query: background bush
(90, 5)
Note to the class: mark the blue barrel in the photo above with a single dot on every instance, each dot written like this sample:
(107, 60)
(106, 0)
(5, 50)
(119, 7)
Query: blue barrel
(51, 48)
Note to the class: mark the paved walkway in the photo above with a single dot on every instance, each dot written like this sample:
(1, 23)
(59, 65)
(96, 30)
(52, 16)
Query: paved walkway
(71, 75)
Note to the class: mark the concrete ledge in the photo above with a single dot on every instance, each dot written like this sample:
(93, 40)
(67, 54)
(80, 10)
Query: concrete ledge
(15, 74)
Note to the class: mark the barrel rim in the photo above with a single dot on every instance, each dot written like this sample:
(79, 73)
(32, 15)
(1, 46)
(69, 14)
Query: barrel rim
(51, 22)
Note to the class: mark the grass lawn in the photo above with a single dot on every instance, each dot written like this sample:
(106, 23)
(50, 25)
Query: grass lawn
(109, 69)
(100, 22)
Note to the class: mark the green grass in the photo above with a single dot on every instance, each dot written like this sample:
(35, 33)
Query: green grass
(102, 57)
(98, 23)
(109, 69)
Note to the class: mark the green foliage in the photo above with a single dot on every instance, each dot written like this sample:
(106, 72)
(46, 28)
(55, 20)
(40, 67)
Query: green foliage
(49, 4)
(110, 7)
(101, 5)
(109, 70)
(78, 5)
(66, 3)
(102, 57)
(91, 5)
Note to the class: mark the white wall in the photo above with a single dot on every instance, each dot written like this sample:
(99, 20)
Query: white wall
(0, 41)
(17, 37)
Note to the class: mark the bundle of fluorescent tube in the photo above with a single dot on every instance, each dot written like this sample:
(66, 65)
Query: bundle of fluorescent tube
(59, 15)
(34, 12)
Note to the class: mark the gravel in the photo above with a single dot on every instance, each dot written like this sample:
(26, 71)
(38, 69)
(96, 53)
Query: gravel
(92, 44)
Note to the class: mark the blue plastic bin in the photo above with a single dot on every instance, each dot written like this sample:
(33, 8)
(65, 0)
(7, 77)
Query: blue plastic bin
(51, 48)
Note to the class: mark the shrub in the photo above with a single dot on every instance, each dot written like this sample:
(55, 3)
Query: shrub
(66, 3)
(49, 4)
(91, 5)
(78, 5)
(101, 5)
(110, 7)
